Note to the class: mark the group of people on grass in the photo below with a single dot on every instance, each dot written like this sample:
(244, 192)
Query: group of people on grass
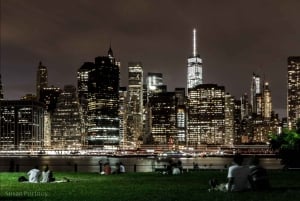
(243, 177)
(120, 168)
(36, 176)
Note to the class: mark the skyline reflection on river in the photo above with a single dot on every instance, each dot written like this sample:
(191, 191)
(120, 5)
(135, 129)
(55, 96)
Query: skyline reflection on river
(132, 164)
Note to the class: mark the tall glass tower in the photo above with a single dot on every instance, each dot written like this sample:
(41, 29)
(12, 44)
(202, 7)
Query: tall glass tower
(194, 70)
(293, 99)
(267, 103)
(67, 121)
(135, 102)
(255, 93)
(98, 87)
(1, 89)
(41, 79)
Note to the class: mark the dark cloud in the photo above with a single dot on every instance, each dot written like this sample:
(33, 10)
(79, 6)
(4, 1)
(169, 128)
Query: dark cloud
(235, 38)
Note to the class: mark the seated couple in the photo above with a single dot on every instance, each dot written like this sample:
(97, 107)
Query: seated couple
(242, 177)
(34, 175)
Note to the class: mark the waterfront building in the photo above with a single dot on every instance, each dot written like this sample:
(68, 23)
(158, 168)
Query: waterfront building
(1, 89)
(47, 130)
(123, 115)
(67, 122)
(22, 125)
(238, 116)
(181, 115)
(134, 109)
(41, 79)
(49, 96)
(163, 118)
(229, 110)
(98, 86)
(293, 96)
(206, 115)
(194, 67)
(83, 91)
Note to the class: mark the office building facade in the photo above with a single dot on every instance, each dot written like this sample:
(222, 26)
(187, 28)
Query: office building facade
(98, 87)
(206, 114)
(67, 122)
(293, 96)
(41, 79)
(134, 101)
(22, 125)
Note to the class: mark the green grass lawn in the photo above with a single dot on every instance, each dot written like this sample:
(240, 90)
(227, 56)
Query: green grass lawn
(144, 187)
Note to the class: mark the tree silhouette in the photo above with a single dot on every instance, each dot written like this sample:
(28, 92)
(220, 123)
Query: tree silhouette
(287, 146)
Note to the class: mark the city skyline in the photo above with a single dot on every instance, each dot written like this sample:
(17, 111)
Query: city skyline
(234, 40)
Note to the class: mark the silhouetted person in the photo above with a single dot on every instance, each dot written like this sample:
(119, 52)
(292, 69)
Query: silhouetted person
(47, 175)
(259, 175)
(238, 175)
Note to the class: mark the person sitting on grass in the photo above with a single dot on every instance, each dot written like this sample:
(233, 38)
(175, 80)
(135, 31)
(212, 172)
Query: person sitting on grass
(259, 175)
(238, 176)
(34, 175)
(122, 168)
(106, 169)
(47, 175)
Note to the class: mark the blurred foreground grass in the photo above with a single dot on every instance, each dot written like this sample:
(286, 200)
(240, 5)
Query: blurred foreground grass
(144, 187)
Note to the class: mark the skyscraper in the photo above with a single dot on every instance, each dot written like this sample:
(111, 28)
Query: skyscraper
(135, 102)
(98, 86)
(41, 79)
(267, 102)
(163, 124)
(1, 89)
(194, 69)
(154, 81)
(229, 120)
(67, 121)
(206, 115)
(22, 125)
(293, 99)
(255, 93)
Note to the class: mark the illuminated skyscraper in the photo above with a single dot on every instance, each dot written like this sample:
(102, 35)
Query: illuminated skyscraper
(22, 125)
(98, 87)
(194, 70)
(163, 118)
(49, 96)
(255, 100)
(181, 115)
(1, 89)
(229, 119)
(267, 102)
(206, 115)
(134, 102)
(154, 83)
(293, 99)
(67, 121)
(41, 79)
(123, 114)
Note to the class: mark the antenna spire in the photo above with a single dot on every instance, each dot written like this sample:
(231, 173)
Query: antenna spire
(194, 43)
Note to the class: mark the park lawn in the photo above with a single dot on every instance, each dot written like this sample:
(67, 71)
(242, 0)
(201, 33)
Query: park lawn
(144, 187)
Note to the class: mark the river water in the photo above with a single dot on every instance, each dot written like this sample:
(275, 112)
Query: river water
(132, 164)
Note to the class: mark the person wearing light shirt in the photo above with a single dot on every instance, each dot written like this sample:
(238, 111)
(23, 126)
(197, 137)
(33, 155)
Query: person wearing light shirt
(34, 175)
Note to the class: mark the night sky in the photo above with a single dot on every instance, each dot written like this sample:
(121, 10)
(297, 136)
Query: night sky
(234, 39)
